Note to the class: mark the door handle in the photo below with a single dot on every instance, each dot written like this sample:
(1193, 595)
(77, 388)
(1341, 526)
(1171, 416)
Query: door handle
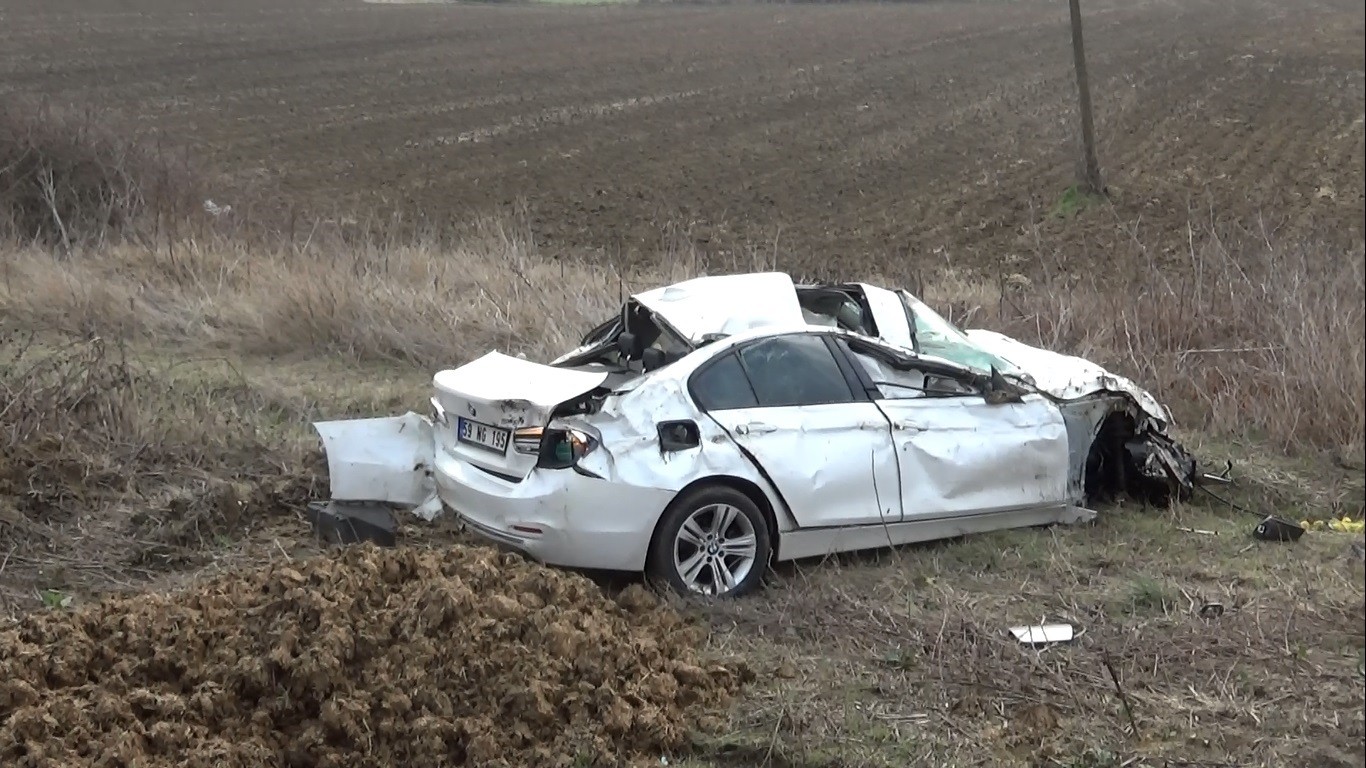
(755, 428)
(908, 426)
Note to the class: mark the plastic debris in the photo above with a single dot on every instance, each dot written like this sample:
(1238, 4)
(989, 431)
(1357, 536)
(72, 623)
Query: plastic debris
(1044, 634)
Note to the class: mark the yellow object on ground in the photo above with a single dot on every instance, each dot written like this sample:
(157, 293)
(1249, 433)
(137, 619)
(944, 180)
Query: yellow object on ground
(1338, 524)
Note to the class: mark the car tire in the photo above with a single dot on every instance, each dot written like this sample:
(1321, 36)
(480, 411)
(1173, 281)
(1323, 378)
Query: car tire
(709, 536)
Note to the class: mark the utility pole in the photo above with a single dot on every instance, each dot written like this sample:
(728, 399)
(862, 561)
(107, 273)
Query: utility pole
(1094, 184)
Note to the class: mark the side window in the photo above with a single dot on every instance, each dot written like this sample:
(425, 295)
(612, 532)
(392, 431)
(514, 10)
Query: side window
(947, 386)
(897, 384)
(795, 370)
(892, 384)
(722, 386)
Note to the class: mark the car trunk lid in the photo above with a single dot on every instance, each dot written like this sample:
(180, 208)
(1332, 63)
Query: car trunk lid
(479, 408)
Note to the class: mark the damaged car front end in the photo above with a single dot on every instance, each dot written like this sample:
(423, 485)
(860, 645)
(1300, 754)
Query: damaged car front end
(715, 425)
(1119, 431)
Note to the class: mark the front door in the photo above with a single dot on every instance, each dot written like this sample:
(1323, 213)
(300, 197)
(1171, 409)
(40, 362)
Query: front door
(823, 443)
(959, 454)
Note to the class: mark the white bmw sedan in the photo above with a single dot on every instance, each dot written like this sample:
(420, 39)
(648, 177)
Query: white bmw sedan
(721, 424)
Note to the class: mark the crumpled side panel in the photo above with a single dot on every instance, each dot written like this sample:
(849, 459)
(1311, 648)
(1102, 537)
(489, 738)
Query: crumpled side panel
(959, 455)
(631, 453)
(1066, 377)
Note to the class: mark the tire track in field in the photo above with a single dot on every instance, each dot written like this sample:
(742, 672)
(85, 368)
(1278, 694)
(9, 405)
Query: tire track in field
(553, 117)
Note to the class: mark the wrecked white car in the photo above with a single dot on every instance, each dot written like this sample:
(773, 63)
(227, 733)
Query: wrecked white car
(723, 423)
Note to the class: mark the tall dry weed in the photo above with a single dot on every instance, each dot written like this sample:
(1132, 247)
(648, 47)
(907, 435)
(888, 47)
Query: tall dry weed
(1258, 340)
(414, 303)
(85, 428)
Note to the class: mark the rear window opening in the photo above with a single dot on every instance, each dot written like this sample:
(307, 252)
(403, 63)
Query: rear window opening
(632, 342)
(835, 307)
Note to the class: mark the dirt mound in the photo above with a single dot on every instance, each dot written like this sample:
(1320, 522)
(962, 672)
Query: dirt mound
(391, 657)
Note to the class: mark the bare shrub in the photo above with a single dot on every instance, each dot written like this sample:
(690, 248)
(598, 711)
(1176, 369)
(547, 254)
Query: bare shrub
(70, 178)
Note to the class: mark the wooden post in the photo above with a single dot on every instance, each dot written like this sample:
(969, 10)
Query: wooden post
(1093, 182)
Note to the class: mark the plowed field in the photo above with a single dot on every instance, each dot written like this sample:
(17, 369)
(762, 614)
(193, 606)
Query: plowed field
(836, 137)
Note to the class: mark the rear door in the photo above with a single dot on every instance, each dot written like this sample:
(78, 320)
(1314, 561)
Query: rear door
(489, 412)
(796, 410)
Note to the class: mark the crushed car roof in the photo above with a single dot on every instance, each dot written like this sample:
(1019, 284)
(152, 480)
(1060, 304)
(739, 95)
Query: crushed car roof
(725, 304)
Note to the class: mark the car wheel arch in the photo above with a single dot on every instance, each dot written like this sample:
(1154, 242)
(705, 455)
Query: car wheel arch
(746, 486)
(1106, 474)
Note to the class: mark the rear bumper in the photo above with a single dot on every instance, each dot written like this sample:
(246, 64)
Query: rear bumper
(557, 516)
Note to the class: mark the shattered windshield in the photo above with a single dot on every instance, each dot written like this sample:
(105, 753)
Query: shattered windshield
(940, 338)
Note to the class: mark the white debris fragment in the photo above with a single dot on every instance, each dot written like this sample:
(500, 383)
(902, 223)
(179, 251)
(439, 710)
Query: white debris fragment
(214, 209)
(1044, 634)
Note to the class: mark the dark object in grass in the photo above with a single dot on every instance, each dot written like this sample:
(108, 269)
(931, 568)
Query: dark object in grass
(1273, 528)
(353, 523)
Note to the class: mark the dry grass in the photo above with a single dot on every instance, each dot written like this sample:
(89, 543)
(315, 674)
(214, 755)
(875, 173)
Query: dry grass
(903, 658)
(1258, 340)
(154, 403)
(422, 304)
(113, 470)
(157, 378)
(1253, 339)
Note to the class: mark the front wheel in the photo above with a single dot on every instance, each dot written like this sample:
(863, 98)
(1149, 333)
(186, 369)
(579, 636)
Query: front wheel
(712, 541)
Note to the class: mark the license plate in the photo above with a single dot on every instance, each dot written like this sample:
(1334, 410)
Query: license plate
(483, 435)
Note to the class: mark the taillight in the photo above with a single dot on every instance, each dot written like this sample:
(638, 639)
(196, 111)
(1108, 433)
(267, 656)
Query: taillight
(527, 440)
(554, 448)
(562, 448)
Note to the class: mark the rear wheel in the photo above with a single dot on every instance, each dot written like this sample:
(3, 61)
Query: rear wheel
(712, 541)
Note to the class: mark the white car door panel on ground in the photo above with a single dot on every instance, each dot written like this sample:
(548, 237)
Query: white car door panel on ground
(786, 401)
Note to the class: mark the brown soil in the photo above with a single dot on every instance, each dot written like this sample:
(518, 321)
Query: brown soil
(377, 657)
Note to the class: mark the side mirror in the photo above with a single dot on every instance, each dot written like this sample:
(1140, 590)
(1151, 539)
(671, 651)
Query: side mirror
(1000, 391)
(653, 358)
